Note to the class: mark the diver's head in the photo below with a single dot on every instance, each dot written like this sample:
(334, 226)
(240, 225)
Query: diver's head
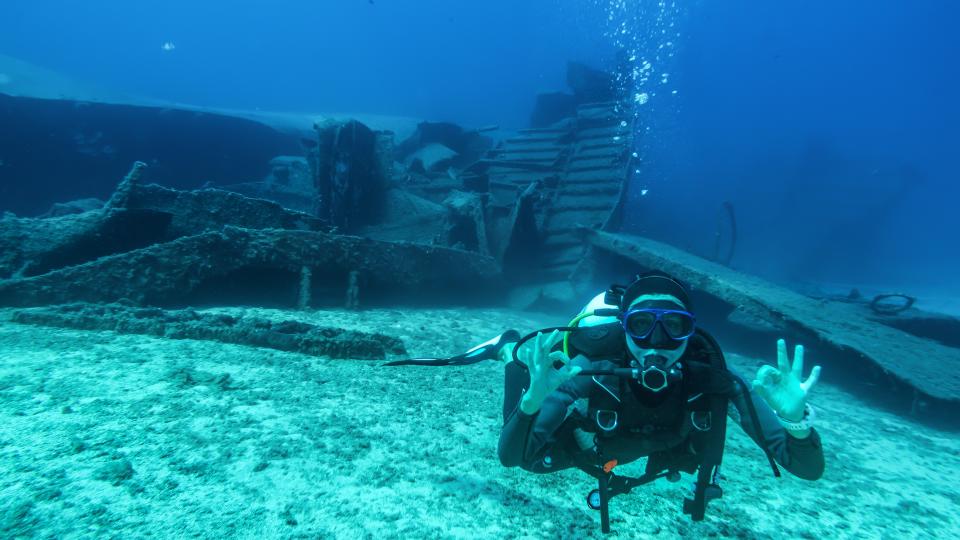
(657, 318)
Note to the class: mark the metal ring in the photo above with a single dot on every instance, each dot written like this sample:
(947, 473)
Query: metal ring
(881, 309)
(693, 421)
(616, 420)
(643, 378)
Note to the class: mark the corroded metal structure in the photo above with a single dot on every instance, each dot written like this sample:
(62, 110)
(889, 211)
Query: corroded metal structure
(546, 182)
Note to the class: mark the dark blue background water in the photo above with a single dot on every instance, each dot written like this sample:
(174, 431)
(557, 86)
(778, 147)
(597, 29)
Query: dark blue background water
(830, 126)
(477, 62)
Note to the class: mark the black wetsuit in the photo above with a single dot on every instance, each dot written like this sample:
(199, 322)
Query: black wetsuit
(545, 442)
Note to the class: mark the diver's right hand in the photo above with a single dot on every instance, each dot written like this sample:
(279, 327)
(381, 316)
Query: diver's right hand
(544, 378)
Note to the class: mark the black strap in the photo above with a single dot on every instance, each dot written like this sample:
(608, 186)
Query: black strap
(755, 419)
(609, 484)
(521, 340)
(621, 485)
(712, 457)
(616, 485)
(604, 481)
(697, 506)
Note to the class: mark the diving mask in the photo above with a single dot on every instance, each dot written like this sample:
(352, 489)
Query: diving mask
(639, 323)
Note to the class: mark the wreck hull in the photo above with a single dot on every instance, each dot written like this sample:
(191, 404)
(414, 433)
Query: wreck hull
(915, 374)
(210, 264)
(59, 150)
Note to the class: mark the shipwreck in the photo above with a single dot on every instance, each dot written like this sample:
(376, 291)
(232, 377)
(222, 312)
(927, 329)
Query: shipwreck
(353, 212)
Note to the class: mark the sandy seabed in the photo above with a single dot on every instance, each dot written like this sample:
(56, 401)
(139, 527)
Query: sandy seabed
(123, 436)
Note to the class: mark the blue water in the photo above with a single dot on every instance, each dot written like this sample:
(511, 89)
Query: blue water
(473, 62)
(831, 127)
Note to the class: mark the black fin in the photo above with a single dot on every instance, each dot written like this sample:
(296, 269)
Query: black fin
(488, 350)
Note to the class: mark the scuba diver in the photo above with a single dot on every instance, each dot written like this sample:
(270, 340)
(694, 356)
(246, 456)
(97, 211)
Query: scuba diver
(635, 377)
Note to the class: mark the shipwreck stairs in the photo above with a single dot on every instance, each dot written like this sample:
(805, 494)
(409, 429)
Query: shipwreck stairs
(581, 166)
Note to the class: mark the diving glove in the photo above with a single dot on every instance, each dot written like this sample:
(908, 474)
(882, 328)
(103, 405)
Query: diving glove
(544, 377)
(783, 387)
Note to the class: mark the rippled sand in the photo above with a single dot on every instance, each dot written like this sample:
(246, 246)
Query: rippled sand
(107, 435)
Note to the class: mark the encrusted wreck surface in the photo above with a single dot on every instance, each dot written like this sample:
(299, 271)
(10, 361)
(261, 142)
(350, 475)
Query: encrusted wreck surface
(135, 217)
(271, 266)
(555, 179)
(925, 365)
(192, 212)
(294, 336)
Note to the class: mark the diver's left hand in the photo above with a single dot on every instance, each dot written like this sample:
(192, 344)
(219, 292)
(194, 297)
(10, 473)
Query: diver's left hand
(782, 387)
